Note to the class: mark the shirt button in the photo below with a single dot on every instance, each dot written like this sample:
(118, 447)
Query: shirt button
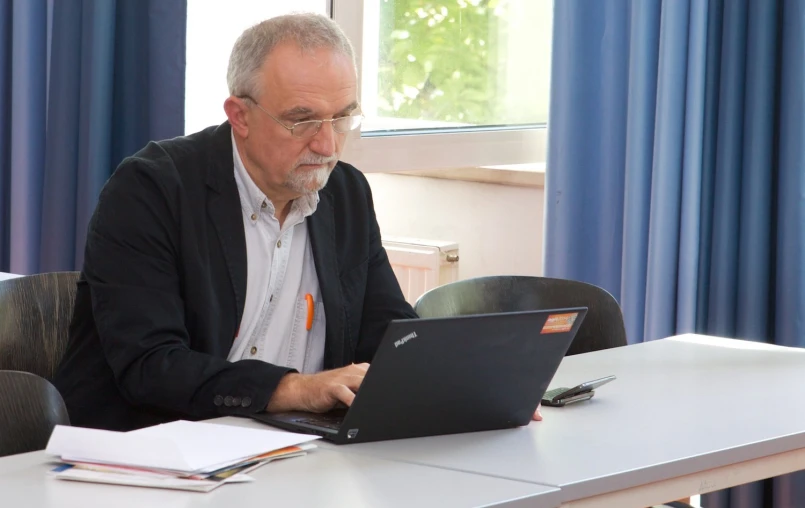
(279, 243)
(270, 298)
(254, 351)
(264, 205)
(254, 216)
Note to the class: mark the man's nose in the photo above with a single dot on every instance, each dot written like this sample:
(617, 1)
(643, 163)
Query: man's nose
(325, 141)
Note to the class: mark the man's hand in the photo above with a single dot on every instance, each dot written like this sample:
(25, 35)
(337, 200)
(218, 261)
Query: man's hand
(317, 393)
(537, 416)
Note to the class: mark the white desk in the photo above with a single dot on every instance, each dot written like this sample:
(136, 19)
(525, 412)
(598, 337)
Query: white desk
(4, 276)
(687, 415)
(323, 478)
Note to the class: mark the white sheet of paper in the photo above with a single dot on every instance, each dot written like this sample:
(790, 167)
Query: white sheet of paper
(84, 475)
(178, 446)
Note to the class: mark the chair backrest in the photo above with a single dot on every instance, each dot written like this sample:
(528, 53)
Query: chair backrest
(35, 314)
(29, 409)
(602, 328)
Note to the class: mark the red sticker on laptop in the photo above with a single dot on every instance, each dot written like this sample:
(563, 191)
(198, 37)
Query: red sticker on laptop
(559, 323)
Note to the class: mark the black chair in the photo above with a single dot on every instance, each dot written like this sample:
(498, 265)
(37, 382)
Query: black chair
(602, 328)
(35, 314)
(29, 409)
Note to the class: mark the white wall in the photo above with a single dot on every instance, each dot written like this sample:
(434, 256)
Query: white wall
(213, 26)
(499, 228)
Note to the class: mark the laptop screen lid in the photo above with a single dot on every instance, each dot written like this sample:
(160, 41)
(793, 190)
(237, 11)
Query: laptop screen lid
(460, 374)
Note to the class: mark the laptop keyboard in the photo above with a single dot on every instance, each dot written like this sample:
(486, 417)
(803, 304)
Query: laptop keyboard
(331, 420)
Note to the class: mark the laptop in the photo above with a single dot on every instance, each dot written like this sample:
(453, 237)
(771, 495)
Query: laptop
(450, 375)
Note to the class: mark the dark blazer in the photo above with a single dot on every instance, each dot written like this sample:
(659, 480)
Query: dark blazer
(162, 290)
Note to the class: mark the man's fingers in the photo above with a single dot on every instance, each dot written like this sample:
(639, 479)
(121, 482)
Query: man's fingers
(352, 369)
(362, 366)
(351, 382)
(537, 416)
(343, 394)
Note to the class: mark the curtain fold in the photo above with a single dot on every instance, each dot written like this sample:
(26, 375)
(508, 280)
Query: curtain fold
(676, 172)
(84, 84)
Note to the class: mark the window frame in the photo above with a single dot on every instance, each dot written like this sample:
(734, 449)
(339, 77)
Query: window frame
(481, 147)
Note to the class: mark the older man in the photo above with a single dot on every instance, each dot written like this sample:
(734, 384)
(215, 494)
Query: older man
(238, 269)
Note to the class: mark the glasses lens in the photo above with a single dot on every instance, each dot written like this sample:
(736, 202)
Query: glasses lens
(306, 129)
(347, 123)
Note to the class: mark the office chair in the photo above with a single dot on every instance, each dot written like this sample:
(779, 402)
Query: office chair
(35, 314)
(602, 328)
(29, 409)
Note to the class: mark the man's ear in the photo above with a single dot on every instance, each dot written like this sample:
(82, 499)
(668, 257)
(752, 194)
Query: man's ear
(236, 111)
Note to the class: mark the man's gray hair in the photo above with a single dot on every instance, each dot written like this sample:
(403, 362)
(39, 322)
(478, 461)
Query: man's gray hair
(309, 31)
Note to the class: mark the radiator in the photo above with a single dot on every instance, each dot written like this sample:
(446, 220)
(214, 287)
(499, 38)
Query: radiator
(421, 265)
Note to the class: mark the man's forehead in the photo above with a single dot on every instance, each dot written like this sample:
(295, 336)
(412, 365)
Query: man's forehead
(318, 82)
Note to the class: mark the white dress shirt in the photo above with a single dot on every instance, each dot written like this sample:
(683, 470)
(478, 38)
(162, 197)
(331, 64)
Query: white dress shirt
(280, 273)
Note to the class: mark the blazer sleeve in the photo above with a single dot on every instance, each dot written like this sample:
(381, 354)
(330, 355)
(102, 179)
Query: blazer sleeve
(383, 300)
(131, 258)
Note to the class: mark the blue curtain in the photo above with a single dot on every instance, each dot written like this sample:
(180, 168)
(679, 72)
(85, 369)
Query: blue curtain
(676, 179)
(83, 84)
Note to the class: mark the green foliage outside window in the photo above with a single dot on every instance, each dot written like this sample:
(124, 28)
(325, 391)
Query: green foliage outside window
(440, 59)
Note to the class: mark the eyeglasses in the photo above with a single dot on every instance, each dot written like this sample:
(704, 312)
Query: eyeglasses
(310, 128)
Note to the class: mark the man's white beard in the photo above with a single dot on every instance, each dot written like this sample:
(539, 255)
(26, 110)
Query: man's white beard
(307, 181)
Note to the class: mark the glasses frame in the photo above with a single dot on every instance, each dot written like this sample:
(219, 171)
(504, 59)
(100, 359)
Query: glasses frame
(317, 123)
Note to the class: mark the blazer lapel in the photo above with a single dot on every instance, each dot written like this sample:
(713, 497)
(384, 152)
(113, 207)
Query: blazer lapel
(223, 208)
(321, 227)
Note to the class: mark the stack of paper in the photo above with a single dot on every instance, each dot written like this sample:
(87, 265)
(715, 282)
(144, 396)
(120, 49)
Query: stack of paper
(178, 455)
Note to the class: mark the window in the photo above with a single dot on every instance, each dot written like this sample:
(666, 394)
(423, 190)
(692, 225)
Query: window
(443, 83)
(455, 63)
(450, 83)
